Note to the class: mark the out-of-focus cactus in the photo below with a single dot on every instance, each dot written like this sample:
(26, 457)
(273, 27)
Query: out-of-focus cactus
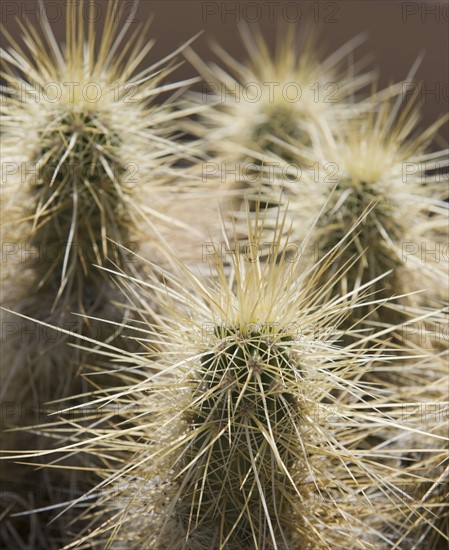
(380, 177)
(275, 96)
(86, 150)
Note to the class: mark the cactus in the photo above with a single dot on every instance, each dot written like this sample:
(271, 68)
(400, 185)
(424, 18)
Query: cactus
(89, 162)
(244, 397)
(254, 108)
(387, 187)
(254, 105)
(77, 198)
(255, 427)
(84, 145)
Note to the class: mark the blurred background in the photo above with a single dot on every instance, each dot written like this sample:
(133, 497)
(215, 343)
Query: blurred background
(396, 33)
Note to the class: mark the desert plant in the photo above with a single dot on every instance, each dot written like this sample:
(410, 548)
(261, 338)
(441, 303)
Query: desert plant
(255, 427)
(86, 149)
(275, 96)
(78, 168)
(251, 108)
(384, 172)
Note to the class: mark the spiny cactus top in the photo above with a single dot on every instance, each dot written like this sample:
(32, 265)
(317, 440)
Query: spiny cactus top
(273, 97)
(86, 151)
(254, 427)
(391, 185)
(85, 144)
(382, 179)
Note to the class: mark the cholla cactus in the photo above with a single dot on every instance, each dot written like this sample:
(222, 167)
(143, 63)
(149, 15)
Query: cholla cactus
(86, 152)
(272, 97)
(365, 149)
(266, 419)
(79, 167)
(255, 108)
(385, 174)
(253, 428)
(93, 148)
(379, 177)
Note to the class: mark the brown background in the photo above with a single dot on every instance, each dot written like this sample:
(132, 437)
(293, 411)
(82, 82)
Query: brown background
(397, 32)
